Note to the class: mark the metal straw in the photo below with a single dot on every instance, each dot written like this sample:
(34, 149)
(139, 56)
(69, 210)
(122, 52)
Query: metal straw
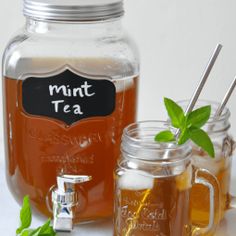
(223, 103)
(200, 86)
(226, 98)
(204, 78)
(189, 108)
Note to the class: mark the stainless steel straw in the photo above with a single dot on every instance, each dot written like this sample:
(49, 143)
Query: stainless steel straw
(189, 109)
(225, 99)
(223, 103)
(200, 86)
(204, 78)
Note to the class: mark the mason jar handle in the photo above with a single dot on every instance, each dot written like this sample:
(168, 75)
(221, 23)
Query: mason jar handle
(232, 202)
(232, 199)
(214, 219)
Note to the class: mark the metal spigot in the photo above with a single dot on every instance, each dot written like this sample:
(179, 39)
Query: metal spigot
(64, 199)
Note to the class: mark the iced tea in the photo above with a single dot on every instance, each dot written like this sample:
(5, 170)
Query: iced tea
(153, 185)
(221, 168)
(151, 207)
(39, 149)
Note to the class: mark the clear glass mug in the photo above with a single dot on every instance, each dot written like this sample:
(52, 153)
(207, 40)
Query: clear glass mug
(153, 183)
(220, 166)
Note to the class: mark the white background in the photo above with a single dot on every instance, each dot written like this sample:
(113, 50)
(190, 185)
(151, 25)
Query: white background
(175, 38)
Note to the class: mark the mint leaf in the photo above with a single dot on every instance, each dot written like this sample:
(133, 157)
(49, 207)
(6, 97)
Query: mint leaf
(188, 126)
(201, 138)
(25, 215)
(165, 136)
(30, 232)
(26, 218)
(25, 233)
(46, 230)
(184, 136)
(199, 117)
(44, 227)
(175, 113)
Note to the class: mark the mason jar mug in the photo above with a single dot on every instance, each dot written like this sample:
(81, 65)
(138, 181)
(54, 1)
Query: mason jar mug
(218, 128)
(153, 185)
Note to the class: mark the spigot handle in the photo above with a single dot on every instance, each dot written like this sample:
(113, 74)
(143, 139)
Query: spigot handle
(64, 199)
(71, 179)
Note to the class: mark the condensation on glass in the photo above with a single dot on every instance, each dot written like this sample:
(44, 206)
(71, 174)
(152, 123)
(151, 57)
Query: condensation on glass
(70, 80)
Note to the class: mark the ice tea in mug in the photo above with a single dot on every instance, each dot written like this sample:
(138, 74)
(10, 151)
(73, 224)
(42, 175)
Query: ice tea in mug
(220, 166)
(153, 186)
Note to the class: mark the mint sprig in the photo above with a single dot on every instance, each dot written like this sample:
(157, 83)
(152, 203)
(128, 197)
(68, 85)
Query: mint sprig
(165, 136)
(175, 113)
(25, 215)
(45, 230)
(26, 218)
(189, 126)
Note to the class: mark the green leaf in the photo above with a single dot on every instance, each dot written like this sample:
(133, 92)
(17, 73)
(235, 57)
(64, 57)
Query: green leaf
(175, 113)
(201, 138)
(184, 137)
(165, 136)
(26, 218)
(25, 233)
(25, 215)
(44, 230)
(29, 232)
(199, 117)
(189, 126)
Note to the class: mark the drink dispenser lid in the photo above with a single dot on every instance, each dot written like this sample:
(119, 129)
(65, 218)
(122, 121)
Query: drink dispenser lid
(73, 10)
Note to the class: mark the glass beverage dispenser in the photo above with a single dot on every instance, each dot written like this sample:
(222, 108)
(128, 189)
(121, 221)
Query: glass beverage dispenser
(70, 80)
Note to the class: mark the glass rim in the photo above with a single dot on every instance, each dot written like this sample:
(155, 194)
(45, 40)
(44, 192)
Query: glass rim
(225, 113)
(151, 145)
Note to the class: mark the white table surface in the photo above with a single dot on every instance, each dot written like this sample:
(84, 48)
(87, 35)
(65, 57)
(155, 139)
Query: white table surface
(9, 216)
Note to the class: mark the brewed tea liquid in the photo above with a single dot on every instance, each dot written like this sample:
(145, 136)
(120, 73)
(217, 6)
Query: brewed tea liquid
(40, 148)
(162, 210)
(200, 202)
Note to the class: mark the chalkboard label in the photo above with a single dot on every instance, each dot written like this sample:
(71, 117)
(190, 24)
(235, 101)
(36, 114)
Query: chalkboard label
(68, 97)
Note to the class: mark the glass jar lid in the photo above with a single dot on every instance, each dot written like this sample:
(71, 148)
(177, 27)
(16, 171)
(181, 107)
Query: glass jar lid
(73, 10)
